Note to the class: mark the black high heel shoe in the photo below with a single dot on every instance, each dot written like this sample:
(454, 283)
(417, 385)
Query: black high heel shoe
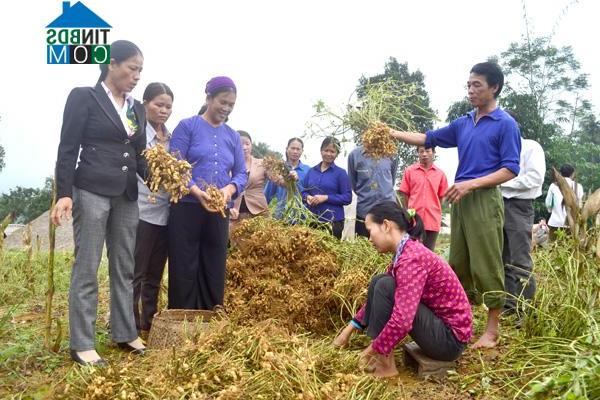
(96, 363)
(127, 347)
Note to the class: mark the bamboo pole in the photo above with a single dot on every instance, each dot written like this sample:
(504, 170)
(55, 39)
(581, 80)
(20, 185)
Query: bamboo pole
(50, 290)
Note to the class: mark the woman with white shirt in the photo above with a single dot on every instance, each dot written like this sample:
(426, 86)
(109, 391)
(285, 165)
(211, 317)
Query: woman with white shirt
(151, 247)
(554, 200)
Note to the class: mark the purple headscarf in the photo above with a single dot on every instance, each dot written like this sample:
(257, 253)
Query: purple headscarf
(219, 82)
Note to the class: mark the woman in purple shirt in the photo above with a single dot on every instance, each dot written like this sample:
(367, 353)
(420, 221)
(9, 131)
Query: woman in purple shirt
(419, 295)
(326, 188)
(198, 234)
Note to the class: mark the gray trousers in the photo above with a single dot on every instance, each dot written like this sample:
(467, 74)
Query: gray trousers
(435, 339)
(516, 253)
(97, 219)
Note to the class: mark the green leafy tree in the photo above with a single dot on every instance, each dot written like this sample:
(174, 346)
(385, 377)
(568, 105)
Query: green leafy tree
(422, 114)
(458, 109)
(26, 203)
(261, 149)
(551, 76)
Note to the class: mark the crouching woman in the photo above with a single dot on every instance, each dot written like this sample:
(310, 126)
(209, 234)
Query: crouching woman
(419, 295)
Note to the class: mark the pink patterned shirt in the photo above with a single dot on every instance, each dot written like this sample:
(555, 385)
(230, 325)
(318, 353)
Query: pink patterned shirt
(423, 277)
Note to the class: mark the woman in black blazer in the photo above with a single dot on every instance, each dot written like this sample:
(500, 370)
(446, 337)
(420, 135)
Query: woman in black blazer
(105, 127)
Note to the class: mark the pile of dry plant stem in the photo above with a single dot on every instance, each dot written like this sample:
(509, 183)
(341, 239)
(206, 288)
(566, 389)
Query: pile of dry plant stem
(296, 275)
(253, 361)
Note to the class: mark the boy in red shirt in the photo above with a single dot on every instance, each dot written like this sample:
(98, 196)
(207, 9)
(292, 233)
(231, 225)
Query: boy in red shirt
(423, 186)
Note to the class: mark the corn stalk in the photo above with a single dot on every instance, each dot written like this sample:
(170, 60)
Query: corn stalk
(50, 290)
(28, 268)
(577, 217)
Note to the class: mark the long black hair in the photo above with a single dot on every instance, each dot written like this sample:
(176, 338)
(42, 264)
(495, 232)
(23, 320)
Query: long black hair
(408, 221)
(120, 50)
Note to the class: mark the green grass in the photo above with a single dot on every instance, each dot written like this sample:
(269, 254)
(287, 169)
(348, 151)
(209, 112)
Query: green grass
(555, 355)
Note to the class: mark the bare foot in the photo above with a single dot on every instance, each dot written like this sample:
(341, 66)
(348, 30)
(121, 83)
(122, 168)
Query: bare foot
(385, 366)
(487, 341)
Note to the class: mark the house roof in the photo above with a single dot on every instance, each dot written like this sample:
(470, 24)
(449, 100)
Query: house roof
(78, 16)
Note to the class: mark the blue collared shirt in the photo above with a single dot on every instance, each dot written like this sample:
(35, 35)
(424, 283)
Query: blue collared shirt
(156, 213)
(372, 180)
(484, 147)
(280, 193)
(335, 183)
(215, 154)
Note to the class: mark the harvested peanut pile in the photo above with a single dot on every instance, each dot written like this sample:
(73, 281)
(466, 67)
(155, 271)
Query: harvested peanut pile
(378, 143)
(216, 199)
(295, 274)
(230, 362)
(167, 172)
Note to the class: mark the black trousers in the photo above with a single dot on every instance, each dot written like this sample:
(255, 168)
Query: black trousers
(359, 227)
(429, 239)
(435, 339)
(516, 253)
(337, 227)
(151, 250)
(197, 257)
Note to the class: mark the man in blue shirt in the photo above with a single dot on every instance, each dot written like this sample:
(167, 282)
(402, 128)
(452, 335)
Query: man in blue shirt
(489, 146)
(372, 181)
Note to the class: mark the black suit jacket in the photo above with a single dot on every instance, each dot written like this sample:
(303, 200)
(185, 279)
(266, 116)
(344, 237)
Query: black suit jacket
(109, 159)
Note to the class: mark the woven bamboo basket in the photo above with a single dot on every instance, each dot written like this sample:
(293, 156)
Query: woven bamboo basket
(173, 327)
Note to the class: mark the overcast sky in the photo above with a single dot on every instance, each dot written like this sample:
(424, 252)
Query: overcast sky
(283, 56)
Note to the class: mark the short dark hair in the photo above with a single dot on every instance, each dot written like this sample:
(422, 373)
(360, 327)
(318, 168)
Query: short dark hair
(156, 89)
(246, 135)
(331, 140)
(120, 50)
(425, 147)
(393, 212)
(567, 170)
(493, 74)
